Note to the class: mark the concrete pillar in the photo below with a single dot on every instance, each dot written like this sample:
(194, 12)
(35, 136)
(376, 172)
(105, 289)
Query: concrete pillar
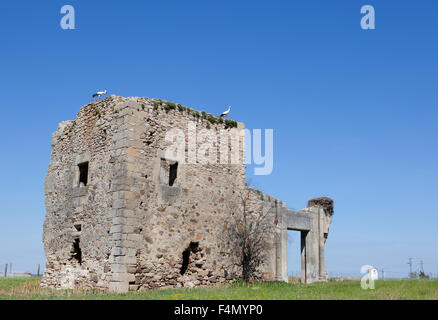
(284, 275)
(321, 228)
(312, 250)
(281, 248)
(303, 255)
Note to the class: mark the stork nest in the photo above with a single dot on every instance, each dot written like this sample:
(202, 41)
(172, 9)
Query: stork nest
(323, 202)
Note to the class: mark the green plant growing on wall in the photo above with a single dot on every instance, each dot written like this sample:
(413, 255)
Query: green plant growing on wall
(230, 124)
(169, 106)
(212, 119)
(259, 193)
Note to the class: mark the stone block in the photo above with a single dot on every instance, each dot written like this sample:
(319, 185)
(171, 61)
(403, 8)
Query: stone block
(117, 267)
(118, 287)
(116, 229)
(123, 277)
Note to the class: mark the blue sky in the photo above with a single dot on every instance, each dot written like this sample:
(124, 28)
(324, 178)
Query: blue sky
(354, 112)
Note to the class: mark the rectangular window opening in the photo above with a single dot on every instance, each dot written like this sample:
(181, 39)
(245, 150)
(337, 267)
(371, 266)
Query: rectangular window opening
(83, 173)
(173, 173)
(77, 253)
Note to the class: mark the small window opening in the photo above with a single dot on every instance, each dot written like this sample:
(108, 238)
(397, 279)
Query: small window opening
(173, 173)
(77, 253)
(193, 247)
(83, 173)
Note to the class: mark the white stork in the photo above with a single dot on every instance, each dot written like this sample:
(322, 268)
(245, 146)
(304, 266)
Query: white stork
(225, 113)
(99, 94)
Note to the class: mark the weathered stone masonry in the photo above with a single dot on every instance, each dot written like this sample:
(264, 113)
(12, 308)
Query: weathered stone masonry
(122, 215)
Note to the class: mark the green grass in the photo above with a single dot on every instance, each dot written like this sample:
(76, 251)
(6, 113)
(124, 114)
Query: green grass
(28, 288)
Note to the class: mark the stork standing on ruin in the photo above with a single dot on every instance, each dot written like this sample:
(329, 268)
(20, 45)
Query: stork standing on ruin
(99, 94)
(225, 113)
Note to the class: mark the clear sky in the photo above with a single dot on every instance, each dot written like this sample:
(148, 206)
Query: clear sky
(354, 112)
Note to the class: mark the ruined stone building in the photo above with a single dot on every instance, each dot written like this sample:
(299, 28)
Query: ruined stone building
(124, 215)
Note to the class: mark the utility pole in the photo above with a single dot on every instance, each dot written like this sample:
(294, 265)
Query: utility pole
(38, 271)
(6, 270)
(383, 274)
(10, 268)
(421, 266)
(410, 267)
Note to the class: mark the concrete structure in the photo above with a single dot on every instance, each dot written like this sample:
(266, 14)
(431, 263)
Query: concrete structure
(125, 214)
(313, 223)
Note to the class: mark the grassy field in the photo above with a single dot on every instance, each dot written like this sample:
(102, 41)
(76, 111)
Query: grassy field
(28, 288)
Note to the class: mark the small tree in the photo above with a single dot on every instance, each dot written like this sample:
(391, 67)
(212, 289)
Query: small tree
(248, 231)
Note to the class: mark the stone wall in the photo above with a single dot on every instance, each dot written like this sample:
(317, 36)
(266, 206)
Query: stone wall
(161, 222)
(79, 212)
